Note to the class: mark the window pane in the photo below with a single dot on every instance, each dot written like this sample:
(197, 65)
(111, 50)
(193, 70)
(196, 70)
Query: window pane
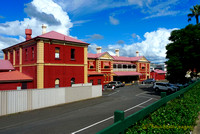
(57, 52)
(72, 53)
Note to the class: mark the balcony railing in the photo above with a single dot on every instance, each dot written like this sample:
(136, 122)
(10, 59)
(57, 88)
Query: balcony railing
(124, 69)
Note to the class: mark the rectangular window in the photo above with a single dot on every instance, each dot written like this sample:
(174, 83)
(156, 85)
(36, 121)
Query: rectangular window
(72, 54)
(32, 52)
(57, 52)
(99, 81)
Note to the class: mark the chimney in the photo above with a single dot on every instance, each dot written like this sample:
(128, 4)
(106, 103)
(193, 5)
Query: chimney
(98, 50)
(137, 53)
(117, 52)
(28, 33)
(44, 28)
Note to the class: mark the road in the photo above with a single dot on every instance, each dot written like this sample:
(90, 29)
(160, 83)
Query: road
(84, 117)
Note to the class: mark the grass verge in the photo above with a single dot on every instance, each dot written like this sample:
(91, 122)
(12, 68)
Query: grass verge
(177, 117)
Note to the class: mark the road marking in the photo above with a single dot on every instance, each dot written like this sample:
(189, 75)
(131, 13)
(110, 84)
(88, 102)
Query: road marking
(112, 93)
(108, 118)
(148, 97)
(137, 105)
(141, 93)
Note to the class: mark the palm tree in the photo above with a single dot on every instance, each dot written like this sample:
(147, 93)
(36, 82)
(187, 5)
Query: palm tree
(195, 13)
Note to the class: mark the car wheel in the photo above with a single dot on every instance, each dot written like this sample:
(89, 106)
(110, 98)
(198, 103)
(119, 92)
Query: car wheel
(157, 89)
(169, 91)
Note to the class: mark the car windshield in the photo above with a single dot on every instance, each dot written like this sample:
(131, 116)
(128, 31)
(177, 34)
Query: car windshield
(119, 82)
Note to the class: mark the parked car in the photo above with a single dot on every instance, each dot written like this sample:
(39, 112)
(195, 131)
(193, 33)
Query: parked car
(164, 87)
(148, 81)
(116, 84)
(120, 84)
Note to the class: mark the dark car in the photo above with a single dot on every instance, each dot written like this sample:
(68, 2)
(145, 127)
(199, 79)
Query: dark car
(120, 84)
(114, 84)
(148, 81)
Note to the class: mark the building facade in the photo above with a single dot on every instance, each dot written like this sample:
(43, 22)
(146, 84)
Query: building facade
(51, 59)
(118, 68)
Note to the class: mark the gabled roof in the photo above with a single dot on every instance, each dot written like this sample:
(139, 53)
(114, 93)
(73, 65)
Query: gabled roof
(51, 35)
(159, 71)
(14, 76)
(95, 56)
(5, 65)
(58, 36)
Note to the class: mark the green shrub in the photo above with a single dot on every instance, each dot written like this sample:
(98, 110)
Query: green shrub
(177, 117)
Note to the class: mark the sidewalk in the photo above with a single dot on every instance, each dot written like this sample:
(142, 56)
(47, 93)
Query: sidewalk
(197, 127)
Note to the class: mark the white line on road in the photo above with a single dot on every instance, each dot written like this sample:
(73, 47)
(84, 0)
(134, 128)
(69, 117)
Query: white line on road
(109, 118)
(140, 93)
(137, 105)
(112, 93)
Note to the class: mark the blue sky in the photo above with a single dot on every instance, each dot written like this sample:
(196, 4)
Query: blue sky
(128, 25)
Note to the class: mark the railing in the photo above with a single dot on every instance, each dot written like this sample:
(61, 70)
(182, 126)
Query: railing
(121, 124)
(124, 69)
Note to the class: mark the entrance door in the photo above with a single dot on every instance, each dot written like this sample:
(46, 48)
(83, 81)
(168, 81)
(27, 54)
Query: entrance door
(24, 85)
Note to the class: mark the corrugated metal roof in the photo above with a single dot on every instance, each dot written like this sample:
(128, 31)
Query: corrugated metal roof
(14, 76)
(160, 71)
(6, 65)
(59, 36)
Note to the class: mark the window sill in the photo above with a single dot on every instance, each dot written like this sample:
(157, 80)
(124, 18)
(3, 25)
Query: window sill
(57, 59)
(73, 59)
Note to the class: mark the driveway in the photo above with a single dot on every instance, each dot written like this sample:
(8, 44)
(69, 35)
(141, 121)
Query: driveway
(84, 117)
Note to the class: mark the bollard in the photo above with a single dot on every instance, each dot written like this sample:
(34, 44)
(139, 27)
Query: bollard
(163, 94)
(118, 116)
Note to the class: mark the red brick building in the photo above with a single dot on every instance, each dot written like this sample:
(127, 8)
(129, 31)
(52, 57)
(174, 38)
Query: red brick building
(118, 68)
(51, 59)
(158, 74)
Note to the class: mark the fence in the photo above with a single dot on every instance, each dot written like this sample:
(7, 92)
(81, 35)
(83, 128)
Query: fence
(121, 123)
(14, 101)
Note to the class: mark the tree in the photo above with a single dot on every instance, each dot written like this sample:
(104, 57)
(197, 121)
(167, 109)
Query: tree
(195, 13)
(183, 53)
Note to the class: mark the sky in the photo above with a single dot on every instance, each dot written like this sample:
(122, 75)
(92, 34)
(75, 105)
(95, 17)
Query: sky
(127, 25)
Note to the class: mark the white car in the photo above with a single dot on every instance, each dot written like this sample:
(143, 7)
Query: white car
(161, 86)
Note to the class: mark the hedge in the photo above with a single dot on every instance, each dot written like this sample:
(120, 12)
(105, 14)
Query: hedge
(176, 117)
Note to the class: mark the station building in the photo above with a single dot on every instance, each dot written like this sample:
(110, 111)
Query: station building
(56, 60)
(51, 59)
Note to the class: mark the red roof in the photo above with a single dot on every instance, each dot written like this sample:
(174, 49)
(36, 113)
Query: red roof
(94, 73)
(6, 65)
(59, 36)
(14, 76)
(160, 71)
(128, 73)
(121, 58)
(94, 56)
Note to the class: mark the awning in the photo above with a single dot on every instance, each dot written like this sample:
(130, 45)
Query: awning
(128, 73)
(94, 73)
(106, 64)
(91, 63)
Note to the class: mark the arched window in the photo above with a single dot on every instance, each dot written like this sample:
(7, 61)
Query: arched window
(57, 83)
(72, 80)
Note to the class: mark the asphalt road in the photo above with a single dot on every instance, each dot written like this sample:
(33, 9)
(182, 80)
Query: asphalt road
(84, 117)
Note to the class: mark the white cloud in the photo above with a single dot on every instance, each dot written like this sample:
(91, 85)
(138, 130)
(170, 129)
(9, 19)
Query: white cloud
(60, 21)
(113, 20)
(152, 47)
